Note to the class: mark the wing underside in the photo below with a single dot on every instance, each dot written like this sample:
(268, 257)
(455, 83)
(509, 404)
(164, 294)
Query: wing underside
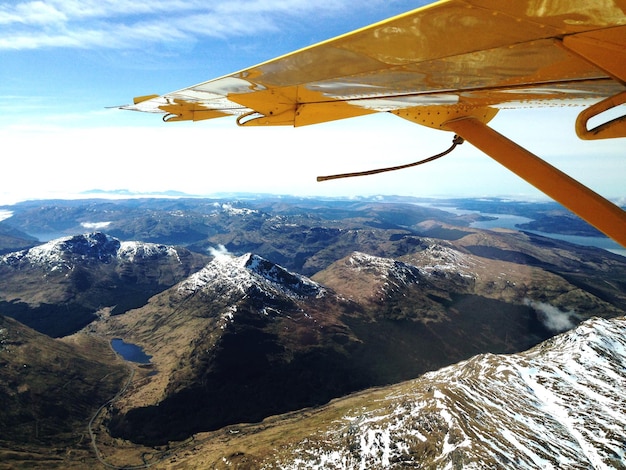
(468, 53)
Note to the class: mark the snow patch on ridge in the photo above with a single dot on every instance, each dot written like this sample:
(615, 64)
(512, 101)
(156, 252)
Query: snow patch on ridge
(393, 272)
(243, 272)
(438, 258)
(232, 210)
(130, 250)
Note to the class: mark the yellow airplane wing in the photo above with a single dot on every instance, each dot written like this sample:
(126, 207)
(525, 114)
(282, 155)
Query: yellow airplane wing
(450, 65)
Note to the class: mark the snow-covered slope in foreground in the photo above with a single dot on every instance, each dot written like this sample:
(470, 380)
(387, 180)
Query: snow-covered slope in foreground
(559, 405)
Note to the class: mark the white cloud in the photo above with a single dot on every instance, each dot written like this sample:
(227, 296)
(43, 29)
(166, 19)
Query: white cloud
(53, 11)
(552, 318)
(95, 225)
(35, 13)
(220, 252)
(132, 24)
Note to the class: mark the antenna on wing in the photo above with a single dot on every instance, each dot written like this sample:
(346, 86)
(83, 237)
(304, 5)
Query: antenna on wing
(457, 140)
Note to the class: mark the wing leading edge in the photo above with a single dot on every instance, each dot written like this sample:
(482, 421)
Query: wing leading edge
(449, 62)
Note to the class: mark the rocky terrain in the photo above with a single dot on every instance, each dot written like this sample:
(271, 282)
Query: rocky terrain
(278, 306)
(488, 411)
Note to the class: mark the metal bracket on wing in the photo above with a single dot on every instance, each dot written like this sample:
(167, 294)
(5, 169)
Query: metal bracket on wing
(270, 107)
(608, 130)
(604, 49)
(294, 106)
(181, 110)
(255, 118)
(303, 114)
(436, 116)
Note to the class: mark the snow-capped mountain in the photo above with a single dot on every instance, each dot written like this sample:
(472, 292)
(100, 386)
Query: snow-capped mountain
(243, 272)
(66, 252)
(239, 340)
(392, 274)
(57, 287)
(558, 405)
(396, 290)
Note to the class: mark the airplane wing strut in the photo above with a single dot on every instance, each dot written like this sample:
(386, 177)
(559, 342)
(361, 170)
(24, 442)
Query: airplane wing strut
(589, 205)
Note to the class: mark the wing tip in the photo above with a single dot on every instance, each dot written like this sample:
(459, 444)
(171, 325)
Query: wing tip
(141, 99)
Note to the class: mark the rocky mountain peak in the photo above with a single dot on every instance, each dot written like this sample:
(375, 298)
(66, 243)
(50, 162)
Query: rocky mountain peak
(97, 247)
(61, 253)
(84, 273)
(390, 272)
(364, 276)
(244, 272)
(131, 250)
(383, 266)
(441, 259)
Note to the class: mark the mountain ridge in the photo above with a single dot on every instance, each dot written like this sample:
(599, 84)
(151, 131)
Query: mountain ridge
(248, 269)
(568, 388)
(486, 412)
(243, 338)
(58, 286)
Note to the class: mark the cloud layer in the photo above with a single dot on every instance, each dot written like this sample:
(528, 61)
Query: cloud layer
(132, 24)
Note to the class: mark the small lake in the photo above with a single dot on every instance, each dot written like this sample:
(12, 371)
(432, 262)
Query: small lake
(130, 352)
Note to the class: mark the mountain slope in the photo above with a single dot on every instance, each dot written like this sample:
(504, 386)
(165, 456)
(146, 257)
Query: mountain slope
(57, 287)
(49, 388)
(591, 269)
(558, 405)
(12, 239)
(237, 341)
(443, 304)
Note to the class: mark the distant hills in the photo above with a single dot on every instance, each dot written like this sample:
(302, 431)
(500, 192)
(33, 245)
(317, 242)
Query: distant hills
(12, 239)
(67, 217)
(254, 308)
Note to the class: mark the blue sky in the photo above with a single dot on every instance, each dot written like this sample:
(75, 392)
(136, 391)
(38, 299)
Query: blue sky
(64, 62)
